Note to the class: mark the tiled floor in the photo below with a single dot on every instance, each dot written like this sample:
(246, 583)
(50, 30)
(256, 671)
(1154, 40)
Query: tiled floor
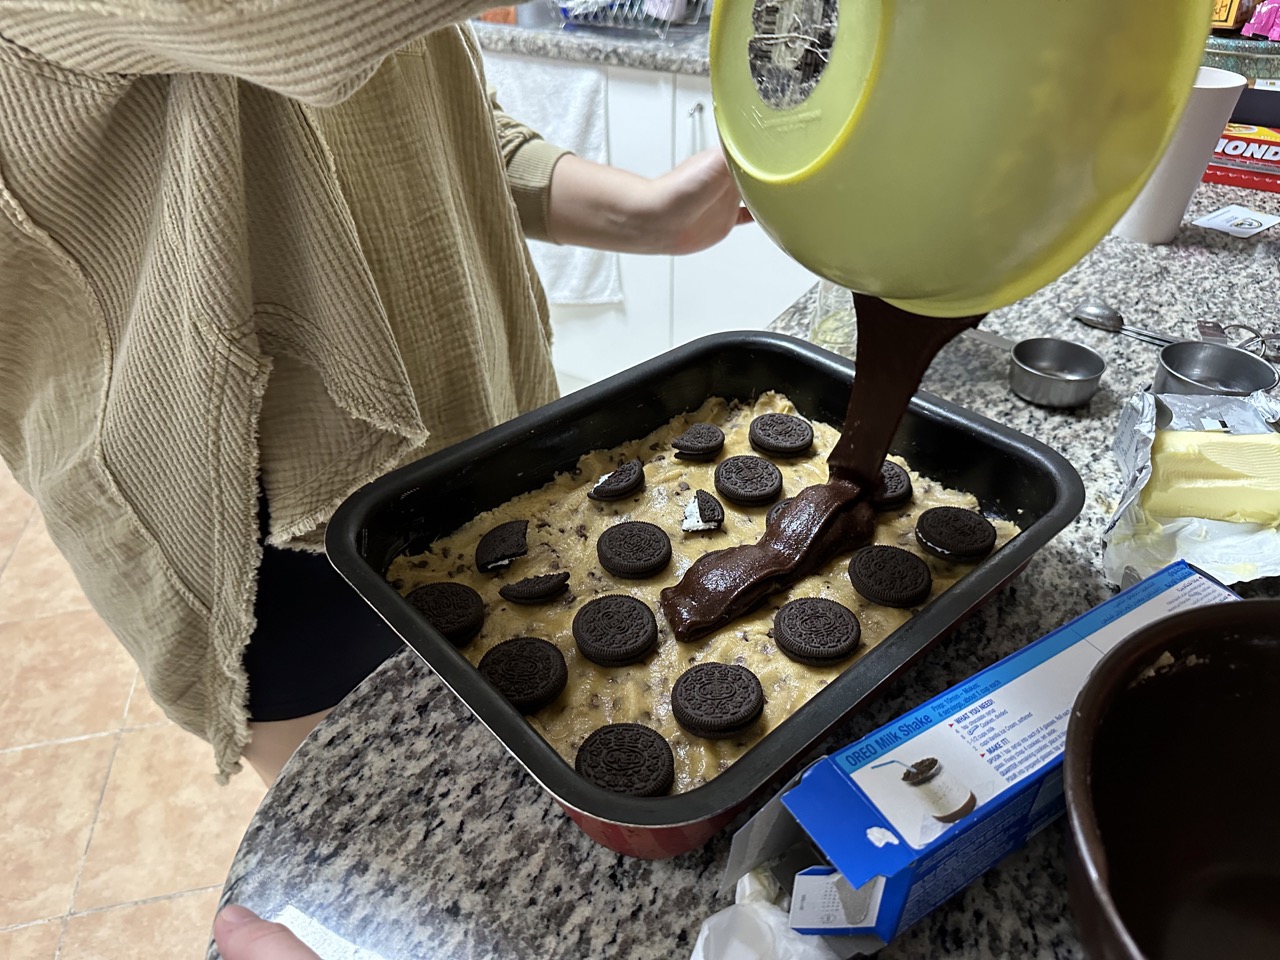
(114, 837)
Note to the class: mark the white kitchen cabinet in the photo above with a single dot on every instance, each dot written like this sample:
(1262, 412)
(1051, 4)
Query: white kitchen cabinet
(745, 281)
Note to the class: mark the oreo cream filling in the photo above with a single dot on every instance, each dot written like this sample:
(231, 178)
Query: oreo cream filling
(693, 520)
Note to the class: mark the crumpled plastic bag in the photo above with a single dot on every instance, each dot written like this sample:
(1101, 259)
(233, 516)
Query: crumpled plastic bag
(1136, 545)
(757, 927)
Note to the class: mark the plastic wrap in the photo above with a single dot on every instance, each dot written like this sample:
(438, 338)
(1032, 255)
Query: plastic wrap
(757, 927)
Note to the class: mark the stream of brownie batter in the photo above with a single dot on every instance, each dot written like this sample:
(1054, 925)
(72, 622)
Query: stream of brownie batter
(895, 348)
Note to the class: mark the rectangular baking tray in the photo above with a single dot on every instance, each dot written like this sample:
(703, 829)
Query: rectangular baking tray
(1012, 475)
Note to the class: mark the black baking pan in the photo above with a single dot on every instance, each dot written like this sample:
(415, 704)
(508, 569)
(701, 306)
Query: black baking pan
(1013, 476)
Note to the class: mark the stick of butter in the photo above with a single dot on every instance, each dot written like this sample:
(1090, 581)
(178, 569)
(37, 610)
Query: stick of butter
(1217, 476)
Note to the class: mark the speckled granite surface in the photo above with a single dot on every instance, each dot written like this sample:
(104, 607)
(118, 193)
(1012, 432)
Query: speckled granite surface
(684, 50)
(1245, 55)
(405, 829)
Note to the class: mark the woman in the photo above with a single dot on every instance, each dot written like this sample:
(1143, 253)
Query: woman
(253, 254)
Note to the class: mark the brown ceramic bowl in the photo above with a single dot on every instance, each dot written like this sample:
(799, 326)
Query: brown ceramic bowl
(1172, 777)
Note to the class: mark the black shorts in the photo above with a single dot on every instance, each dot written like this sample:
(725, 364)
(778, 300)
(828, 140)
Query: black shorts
(316, 638)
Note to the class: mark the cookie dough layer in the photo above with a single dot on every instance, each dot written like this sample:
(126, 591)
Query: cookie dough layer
(563, 527)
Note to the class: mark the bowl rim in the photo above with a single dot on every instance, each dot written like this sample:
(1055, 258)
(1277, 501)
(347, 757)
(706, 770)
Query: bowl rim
(1125, 661)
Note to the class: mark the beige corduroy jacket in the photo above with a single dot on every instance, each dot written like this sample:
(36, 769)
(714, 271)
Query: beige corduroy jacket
(244, 239)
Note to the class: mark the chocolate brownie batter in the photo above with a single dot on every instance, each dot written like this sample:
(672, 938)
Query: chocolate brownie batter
(895, 348)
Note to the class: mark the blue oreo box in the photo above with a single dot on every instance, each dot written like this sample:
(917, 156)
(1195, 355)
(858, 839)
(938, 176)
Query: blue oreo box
(871, 838)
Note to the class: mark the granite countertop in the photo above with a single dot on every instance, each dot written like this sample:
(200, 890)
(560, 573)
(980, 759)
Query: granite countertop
(683, 50)
(404, 829)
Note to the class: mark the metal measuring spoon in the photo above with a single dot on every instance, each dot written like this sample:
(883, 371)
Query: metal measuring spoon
(1101, 316)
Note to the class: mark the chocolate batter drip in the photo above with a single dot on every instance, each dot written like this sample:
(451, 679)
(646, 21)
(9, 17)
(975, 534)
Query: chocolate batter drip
(895, 348)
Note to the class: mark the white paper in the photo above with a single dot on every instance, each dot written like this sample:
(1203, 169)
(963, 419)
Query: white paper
(1238, 221)
(1137, 545)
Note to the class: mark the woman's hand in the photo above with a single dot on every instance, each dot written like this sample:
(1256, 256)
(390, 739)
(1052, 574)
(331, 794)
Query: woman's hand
(688, 209)
(696, 204)
(242, 935)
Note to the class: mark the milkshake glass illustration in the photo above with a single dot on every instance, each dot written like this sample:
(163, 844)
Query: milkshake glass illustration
(947, 799)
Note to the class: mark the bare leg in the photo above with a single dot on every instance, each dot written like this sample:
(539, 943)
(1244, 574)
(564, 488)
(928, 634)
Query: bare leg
(274, 742)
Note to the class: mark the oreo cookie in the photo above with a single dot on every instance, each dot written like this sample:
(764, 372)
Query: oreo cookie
(894, 490)
(634, 549)
(816, 632)
(530, 673)
(615, 630)
(531, 590)
(619, 484)
(702, 441)
(748, 480)
(780, 435)
(776, 509)
(717, 700)
(704, 512)
(627, 758)
(890, 576)
(501, 545)
(955, 534)
(452, 608)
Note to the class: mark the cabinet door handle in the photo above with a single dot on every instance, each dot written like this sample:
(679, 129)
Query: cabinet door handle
(697, 137)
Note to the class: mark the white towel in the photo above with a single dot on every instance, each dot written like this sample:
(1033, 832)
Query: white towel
(566, 103)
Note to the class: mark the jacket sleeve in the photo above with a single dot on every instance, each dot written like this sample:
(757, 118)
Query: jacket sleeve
(316, 51)
(530, 161)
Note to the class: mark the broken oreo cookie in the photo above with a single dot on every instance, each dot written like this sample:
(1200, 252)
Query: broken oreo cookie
(452, 608)
(780, 435)
(894, 490)
(890, 576)
(816, 632)
(955, 534)
(533, 590)
(529, 672)
(702, 441)
(627, 758)
(776, 509)
(621, 483)
(615, 630)
(748, 480)
(717, 700)
(704, 512)
(501, 545)
(634, 549)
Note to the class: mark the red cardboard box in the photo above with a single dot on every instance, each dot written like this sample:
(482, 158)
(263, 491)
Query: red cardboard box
(1246, 156)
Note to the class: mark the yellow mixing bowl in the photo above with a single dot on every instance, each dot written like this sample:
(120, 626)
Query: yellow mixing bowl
(950, 156)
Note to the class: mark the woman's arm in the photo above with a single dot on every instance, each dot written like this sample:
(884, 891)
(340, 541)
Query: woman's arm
(530, 161)
(688, 209)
